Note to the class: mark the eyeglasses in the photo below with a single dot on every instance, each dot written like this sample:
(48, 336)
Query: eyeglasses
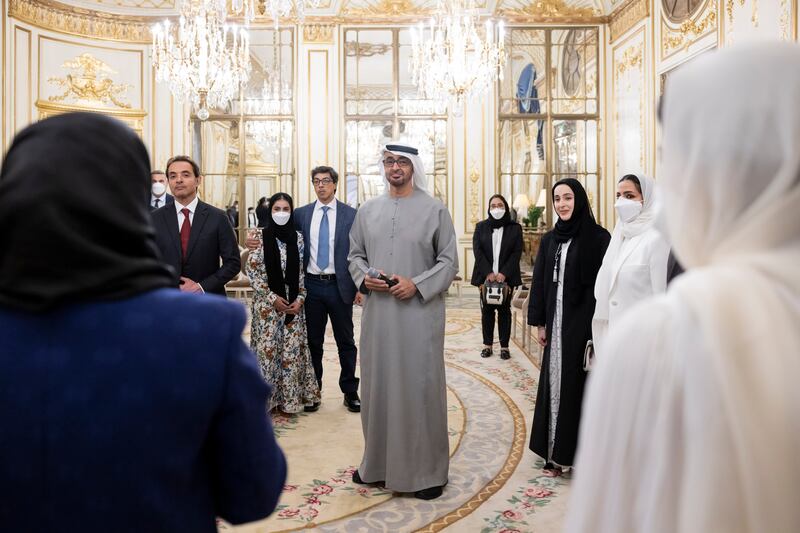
(402, 162)
(323, 181)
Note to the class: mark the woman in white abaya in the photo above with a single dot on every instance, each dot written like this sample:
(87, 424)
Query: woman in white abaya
(692, 422)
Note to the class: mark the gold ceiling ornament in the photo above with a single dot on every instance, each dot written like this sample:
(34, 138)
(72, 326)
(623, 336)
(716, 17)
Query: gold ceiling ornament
(318, 33)
(451, 60)
(61, 18)
(387, 8)
(83, 85)
(142, 4)
(354, 49)
(204, 60)
(626, 16)
(688, 32)
(552, 10)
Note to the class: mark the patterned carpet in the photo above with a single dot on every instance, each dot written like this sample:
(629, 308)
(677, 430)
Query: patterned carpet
(495, 482)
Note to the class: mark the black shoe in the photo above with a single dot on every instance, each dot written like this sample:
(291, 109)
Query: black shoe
(357, 479)
(504, 353)
(486, 352)
(312, 408)
(352, 402)
(428, 494)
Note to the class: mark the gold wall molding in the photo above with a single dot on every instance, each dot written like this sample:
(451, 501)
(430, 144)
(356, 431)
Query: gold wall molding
(626, 16)
(474, 197)
(631, 57)
(318, 33)
(729, 4)
(689, 31)
(83, 83)
(783, 21)
(51, 15)
(132, 117)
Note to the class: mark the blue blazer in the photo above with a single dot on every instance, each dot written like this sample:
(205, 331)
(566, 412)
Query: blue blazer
(345, 215)
(141, 415)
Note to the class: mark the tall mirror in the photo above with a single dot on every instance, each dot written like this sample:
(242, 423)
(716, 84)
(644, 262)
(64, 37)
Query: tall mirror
(381, 104)
(247, 150)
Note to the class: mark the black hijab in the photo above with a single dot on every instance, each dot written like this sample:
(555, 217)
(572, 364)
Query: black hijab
(74, 217)
(272, 255)
(503, 221)
(581, 227)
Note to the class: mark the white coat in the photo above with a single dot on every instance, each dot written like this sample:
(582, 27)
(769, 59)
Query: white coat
(636, 272)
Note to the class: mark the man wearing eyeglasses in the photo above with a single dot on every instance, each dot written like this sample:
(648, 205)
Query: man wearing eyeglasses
(404, 236)
(331, 292)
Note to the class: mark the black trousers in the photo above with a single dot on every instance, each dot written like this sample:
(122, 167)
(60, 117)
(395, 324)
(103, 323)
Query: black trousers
(322, 301)
(503, 320)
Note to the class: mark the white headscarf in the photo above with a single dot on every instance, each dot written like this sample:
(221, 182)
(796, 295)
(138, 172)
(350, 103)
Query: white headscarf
(623, 230)
(644, 220)
(694, 423)
(419, 179)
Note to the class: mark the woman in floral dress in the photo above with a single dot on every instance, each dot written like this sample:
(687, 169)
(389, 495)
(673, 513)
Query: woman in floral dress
(278, 330)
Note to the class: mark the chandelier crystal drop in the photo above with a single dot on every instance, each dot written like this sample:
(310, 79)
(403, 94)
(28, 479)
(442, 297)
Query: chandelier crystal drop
(204, 60)
(450, 59)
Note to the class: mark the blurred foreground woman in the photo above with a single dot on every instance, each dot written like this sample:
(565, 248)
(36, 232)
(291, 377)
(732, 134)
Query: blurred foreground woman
(125, 405)
(692, 422)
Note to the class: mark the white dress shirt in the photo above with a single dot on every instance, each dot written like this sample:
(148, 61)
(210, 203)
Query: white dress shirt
(162, 200)
(313, 236)
(497, 239)
(192, 207)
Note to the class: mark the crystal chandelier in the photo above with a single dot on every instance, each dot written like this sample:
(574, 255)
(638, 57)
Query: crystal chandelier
(276, 99)
(450, 60)
(204, 60)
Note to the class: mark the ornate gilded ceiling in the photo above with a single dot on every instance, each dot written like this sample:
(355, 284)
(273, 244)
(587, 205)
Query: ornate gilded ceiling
(131, 20)
(368, 9)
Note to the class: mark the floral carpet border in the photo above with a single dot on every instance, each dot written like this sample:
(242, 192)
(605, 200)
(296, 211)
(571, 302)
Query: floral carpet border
(510, 465)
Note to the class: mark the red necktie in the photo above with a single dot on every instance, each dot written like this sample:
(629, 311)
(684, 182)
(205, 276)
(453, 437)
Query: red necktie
(186, 228)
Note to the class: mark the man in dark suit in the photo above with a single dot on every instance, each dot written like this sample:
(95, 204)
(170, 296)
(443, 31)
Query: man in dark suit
(159, 197)
(331, 292)
(193, 236)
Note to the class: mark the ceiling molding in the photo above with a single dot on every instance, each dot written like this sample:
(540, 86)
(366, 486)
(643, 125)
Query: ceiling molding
(626, 16)
(62, 18)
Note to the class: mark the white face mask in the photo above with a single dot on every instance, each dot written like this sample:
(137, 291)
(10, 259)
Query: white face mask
(628, 209)
(281, 217)
(497, 213)
(158, 188)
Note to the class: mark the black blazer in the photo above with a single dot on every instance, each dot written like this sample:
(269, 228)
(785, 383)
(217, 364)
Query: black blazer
(345, 216)
(211, 238)
(510, 253)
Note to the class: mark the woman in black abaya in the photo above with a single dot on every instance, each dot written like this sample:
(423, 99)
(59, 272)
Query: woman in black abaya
(561, 306)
